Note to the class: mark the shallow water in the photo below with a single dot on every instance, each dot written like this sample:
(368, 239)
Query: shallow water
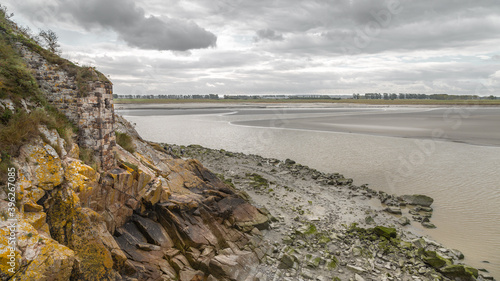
(391, 149)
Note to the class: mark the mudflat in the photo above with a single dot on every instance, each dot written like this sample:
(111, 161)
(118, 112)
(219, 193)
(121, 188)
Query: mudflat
(478, 125)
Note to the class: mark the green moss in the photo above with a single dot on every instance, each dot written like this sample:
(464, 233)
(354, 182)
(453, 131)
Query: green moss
(331, 265)
(311, 229)
(87, 156)
(226, 181)
(386, 232)
(258, 181)
(460, 271)
(433, 259)
(131, 166)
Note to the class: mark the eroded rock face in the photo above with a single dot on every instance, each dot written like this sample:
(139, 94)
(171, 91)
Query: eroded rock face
(151, 217)
(203, 215)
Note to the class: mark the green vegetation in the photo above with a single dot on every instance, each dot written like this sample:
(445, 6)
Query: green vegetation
(125, 141)
(15, 33)
(258, 181)
(311, 229)
(130, 165)
(16, 81)
(226, 181)
(17, 129)
(19, 124)
(87, 156)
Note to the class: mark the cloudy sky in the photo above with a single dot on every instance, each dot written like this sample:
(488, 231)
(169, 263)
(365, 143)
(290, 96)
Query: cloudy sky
(278, 46)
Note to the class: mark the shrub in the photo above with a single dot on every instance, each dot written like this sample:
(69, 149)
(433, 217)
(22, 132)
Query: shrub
(125, 141)
(87, 156)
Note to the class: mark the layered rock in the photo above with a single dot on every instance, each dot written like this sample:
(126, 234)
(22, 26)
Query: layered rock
(153, 216)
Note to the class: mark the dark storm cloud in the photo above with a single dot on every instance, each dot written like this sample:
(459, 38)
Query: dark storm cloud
(130, 22)
(268, 34)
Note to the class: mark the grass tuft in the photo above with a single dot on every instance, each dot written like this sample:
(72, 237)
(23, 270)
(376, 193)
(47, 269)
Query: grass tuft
(125, 141)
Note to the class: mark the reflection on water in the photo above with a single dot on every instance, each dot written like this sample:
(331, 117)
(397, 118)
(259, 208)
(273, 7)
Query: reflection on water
(463, 179)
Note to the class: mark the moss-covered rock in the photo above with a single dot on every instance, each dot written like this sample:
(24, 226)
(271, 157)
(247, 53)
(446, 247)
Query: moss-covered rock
(433, 259)
(460, 272)
(386, 232)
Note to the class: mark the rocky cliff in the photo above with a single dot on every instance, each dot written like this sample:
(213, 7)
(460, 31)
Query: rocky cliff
(122, 214)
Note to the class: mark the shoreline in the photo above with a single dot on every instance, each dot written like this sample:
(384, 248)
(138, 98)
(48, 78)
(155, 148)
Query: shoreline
(312, 101)
(319, 219)
(232, 105)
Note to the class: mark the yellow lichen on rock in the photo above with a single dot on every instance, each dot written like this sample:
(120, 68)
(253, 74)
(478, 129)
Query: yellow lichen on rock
(80, 177)
(76, 228)
(45, 167)
(6, 253)
(42, 257)
(94, 259)
(37, 219)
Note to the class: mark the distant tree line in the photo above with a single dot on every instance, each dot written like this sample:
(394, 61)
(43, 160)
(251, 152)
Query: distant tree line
(403, 96)
(172, 97)
(372, 96)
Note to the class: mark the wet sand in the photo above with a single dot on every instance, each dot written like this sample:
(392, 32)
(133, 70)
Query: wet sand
(478, 126)
(471, 125)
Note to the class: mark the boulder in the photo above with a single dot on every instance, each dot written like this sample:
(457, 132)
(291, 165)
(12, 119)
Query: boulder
(77, 228)
(386, 232)
(393, 210)
(428, 224)
(191, 275)
(44, 168)
(418, 199)
(433, 259)
(152, 231)
(286, 262)
(236, 267)
(245, 216)
(460, 272)
(404, 221)
(45, 258)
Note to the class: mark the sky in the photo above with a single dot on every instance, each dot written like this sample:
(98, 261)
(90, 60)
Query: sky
(236, 47)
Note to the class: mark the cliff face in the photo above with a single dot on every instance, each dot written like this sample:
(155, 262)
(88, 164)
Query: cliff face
(139, 214)
(88, 105)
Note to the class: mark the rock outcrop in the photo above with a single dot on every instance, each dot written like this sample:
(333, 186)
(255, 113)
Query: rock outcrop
(152, 216)
(136, 213)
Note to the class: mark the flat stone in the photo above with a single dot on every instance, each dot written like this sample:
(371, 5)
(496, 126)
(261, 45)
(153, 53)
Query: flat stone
(393, 210)
(418, 199)
(286, 262)
(356, 269)
(427, 224)
(404, 221)
(152, 231)
(358, 278)
(386, 232)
